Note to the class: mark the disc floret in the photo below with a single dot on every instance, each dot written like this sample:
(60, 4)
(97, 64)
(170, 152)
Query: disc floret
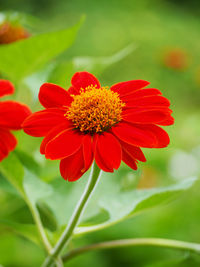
(95, 110)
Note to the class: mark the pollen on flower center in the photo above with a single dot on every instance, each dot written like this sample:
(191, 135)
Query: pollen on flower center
(95, 110)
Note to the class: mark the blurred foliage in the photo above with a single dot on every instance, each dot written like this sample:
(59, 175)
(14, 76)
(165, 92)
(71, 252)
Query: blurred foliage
(119, 40)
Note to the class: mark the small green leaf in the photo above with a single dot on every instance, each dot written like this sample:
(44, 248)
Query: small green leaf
(47, 217)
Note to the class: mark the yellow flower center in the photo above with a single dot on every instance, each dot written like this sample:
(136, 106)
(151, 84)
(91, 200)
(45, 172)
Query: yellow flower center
(95, 110)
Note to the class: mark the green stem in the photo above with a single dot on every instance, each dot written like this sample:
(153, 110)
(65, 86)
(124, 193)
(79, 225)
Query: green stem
(65, 237)
(39, 226)
(157, 242)
(41, 231)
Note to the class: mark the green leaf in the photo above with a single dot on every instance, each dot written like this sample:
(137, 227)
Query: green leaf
(47, 217)
(35, 188)
(13, 171)
(111, 202)
(24, 57)
(6, 186)
(96, 65)
(26, 230)
(28, 161)
(32, 190)
(183, 260)
(122, 204)
(99, 64)
(23, 180)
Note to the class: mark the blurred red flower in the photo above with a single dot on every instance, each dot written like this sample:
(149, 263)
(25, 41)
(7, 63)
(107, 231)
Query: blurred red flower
(176, 59)
(90, 122)
(10, 33)
(12, 114)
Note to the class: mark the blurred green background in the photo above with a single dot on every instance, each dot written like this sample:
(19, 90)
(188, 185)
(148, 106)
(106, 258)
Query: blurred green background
(162, 41)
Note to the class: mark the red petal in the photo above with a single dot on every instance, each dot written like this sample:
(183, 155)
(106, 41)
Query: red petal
(72, 166)
(99, 160)
(3, 150)
(87, 152)
(12, 114)
(167, 122)
(129, 160)
(41, 122)
(141, 93)
(151, 101)
(127, 88)
(146, 115)
(83, 80)
(52, 96)
(64, 145)
(53, 133)
(134, 135)
(6, 88)
(7, 143)
(73, 91)
(135, 152)
(108, 149)
(162, 138)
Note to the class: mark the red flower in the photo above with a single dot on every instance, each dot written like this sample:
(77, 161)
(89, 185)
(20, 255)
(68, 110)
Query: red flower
(90, 122)
(12, 114)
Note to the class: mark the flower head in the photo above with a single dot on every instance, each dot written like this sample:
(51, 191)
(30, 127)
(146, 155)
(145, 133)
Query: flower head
(10, 33)
(89, 122)
(95, 110)
(12, 114)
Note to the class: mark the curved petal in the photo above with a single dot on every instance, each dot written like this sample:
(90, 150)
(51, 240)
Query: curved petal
(41, 122)
(127, 88)
(8, 143)
(64, 145)
(71, 168)
(73, 91)
(83, 80)
(146, 115)
(131, 162)
(133, 151)
(167, 122)
(88, 152)
(148, 101)
(162, 138)
(108, 148)
(52, 96)
(6, 88)
(100, 160)
(12, 114)
(134, 135)
(52, 134)
(141, 93)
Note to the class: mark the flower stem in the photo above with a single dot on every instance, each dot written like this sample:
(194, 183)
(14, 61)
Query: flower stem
(65, 237)
(40, 228)
(157, 242)
(41, 231)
